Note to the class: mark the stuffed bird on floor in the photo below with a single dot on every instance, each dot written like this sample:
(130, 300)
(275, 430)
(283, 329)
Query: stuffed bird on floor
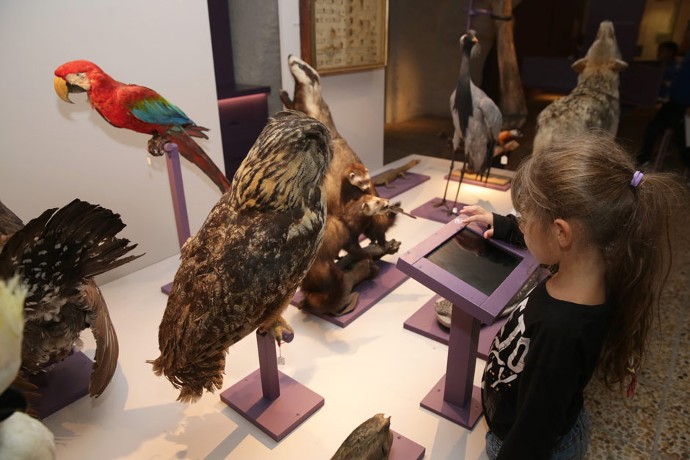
(139, 109)
(242, 268)
(21, 437)
(56, 255)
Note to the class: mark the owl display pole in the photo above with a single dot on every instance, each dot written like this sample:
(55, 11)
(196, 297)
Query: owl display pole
(172, 160)
(272, 401)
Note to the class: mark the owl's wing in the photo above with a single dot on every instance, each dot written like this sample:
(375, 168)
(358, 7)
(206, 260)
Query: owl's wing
(235, 272)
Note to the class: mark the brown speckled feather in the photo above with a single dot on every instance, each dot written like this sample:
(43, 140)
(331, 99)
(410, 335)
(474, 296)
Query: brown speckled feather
(57, 255)
(241, 269)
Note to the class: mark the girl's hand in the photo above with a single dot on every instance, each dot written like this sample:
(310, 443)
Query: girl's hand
(476, 213)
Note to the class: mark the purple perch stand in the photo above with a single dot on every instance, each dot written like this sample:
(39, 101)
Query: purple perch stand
(430, 211)
(172, 160)
(272, 401)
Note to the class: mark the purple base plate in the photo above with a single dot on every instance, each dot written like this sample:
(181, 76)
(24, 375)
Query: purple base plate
(400, 185)
(463, 416)
(276, 418)
(438, 214)
(505, 185)
(370, 292)
(64, 384)
(165, 289)
(424, 322)
(405, 449)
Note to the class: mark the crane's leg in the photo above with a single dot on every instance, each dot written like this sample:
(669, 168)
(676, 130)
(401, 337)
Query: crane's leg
(491, 145)
(454, 209)
(452, 165)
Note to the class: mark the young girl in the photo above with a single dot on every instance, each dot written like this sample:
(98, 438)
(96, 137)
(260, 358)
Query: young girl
(581, 206)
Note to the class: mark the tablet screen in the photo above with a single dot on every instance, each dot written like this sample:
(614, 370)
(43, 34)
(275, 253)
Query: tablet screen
(474, 260)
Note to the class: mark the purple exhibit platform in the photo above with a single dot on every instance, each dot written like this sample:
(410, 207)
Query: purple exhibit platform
(424, 322)
(400, 185)
(496, 181)
(370, 292)
(277, 418)
(442, 214)
(272, 401)
(405, 449)
(63, 384)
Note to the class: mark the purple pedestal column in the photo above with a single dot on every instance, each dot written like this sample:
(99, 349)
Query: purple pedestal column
(454, 396)
(272, 401)
(172, 160)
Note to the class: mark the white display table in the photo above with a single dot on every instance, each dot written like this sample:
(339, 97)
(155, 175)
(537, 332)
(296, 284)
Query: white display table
(373, 365)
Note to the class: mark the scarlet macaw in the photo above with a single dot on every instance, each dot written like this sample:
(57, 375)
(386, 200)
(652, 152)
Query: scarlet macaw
(140, 109)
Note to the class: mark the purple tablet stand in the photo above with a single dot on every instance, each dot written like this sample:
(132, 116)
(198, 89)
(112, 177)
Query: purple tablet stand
(454, 396)
(66, 382)
(400, 185)
(370, 292)
(424, 322)
(272, 401)
(172, 160)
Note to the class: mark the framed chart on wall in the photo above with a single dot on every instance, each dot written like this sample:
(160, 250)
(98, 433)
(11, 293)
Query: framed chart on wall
(340, 36)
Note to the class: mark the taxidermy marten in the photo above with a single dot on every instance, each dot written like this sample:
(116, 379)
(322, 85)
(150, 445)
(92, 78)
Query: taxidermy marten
(355, 182)
(327, 287)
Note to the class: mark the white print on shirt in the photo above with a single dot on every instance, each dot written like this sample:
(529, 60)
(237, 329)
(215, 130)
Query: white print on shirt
(507, 355)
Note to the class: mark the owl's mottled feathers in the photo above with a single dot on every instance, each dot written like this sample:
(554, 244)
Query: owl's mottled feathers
(240, 271)
(56, 255)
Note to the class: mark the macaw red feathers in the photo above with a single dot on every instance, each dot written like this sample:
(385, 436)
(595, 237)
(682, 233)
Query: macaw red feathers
(139, 109)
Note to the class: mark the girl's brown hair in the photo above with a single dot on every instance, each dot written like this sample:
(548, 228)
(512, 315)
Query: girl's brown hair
(588, 179)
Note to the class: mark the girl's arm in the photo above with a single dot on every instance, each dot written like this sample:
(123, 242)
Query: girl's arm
(501, 227)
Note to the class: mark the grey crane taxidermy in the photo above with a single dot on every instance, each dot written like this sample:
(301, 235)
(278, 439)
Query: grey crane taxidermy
(476, 118)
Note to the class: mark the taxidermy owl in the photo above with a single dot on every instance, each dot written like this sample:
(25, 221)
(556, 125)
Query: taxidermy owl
(56, 255)
(240, 271)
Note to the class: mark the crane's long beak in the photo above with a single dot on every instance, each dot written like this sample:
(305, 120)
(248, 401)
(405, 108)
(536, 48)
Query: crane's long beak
(61, 89)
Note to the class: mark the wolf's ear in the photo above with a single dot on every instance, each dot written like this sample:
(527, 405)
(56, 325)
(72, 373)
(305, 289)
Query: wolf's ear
(579, 65)
(619, 65)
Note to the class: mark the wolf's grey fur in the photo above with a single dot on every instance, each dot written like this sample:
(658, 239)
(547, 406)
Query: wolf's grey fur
(594, 103)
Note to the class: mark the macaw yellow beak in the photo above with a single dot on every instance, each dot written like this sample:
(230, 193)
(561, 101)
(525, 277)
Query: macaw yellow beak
(61, 89)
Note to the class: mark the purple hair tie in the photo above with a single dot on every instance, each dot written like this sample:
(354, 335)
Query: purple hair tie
(636, 179)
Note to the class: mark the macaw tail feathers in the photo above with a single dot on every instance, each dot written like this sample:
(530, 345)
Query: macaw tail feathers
(194, 153)
(196, 131)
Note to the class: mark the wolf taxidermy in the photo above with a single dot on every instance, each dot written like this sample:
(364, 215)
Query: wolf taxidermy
(308, 99)
(594, 103)
(328, 285)
(242, 268)
(56, 255)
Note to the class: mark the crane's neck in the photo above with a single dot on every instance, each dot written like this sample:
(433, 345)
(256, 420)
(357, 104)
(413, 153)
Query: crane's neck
(463, 96)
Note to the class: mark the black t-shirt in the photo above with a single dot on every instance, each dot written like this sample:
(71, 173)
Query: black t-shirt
(538, 366)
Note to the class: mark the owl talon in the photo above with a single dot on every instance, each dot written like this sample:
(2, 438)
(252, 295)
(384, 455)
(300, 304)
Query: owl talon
(280, 330)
